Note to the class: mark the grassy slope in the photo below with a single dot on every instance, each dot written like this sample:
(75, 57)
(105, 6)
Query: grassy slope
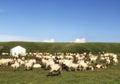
(110, 75)
(63, 47)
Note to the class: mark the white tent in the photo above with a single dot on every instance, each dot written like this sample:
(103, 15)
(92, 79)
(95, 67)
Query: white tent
(18, 50)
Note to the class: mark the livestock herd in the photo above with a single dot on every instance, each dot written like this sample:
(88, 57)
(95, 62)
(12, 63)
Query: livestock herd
(61, 61)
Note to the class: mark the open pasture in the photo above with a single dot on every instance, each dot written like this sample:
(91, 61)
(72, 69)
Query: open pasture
(94, 47)
(111, 75)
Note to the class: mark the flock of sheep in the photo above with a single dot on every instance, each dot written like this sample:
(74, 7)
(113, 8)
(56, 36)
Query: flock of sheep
(61, 61)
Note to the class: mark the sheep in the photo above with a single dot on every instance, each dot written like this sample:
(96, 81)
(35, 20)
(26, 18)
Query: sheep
(32, 61)
(15, 66)
(115, 61)
(55, 68)
(71, 61)
(23, 58)
(67, 63)
(102, 58)
(73, 66)
(70, 65)
(28, 66)
(38, 56)
(44, 61)
(115, 56)
(107, 60)
(5, 54)
(69, 57)
(21, 61)
(93, 59)
(49, 63)
(5, 62)
(100, 66)
(36, 66)
(16, 56)
(82, 65)
(60, 61)
(90, 68)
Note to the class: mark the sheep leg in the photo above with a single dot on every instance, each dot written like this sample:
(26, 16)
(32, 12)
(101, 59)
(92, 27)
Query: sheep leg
(59, 71)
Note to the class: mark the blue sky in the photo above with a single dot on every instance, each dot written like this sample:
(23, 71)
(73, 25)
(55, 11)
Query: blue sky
(60, 20)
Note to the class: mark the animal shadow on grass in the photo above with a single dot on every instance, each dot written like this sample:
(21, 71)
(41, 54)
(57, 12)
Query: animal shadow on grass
(53, 75)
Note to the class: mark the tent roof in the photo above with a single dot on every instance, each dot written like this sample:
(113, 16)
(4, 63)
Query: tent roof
(18, 47)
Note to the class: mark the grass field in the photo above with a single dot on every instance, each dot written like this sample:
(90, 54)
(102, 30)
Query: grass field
(111, 75)
(63, 47)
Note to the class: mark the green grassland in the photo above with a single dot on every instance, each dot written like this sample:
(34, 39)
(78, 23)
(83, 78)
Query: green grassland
(63, 47)
(111, 75)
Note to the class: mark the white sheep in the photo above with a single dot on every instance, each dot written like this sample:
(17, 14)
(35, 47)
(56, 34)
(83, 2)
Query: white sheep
(90, 68)
(93, 59)
(55, 68)
(28, 66)
(36, 66)
(107, 60)
(50, 62)
(73, 66)
(5, 62)
(115, 61)
(101, 66)
(15, 66)
(82, 65)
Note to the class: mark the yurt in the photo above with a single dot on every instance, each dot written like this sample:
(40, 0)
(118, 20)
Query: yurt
(18, 50)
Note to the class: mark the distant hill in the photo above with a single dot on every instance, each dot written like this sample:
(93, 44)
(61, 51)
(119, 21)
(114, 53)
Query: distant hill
(62, 47)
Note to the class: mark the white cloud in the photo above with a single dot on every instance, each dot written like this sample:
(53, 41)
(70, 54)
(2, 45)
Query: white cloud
(50, 40)
(80, 40)
(4, 38)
